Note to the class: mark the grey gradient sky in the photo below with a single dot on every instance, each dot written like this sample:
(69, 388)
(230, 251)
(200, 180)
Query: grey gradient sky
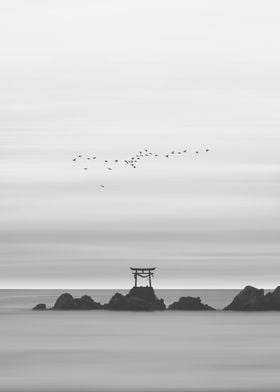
(109, 78)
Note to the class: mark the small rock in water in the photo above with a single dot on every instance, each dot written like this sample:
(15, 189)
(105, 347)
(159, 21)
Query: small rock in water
(40, 307)
(189, 303)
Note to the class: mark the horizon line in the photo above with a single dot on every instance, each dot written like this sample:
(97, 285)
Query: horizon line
(129, 288)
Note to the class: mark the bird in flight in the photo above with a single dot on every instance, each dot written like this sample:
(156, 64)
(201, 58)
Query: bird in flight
(102, 186)
(109, 168)
(85, 168)
(74, 160)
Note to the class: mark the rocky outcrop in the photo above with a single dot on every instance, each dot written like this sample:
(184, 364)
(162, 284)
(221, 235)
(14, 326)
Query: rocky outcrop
(67, 302)
(189, 303)
(144, 299)
(64, 302)
(251, 298)
(139, 298)
(86, 303)
(272, 300)
(40, 307)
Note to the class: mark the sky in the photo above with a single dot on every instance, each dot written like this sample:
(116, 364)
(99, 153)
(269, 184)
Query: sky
(111, 78)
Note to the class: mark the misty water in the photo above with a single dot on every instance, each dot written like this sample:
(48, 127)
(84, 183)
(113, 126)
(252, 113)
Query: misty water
(136, 351)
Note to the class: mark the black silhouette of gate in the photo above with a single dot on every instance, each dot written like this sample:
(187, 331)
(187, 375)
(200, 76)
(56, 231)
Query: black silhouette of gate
(143, 273)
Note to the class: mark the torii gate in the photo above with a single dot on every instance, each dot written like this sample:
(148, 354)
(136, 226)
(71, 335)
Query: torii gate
(143, 273)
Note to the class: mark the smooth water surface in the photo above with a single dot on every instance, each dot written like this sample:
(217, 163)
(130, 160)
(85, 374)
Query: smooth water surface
(133, 351)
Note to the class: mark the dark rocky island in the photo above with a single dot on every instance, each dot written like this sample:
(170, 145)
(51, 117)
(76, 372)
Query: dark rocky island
(67, 302)
(139, 298)
(189, 303)
(145, 299)
(253, 299)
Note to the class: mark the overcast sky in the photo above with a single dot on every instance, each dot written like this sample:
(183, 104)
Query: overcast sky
(110, 78)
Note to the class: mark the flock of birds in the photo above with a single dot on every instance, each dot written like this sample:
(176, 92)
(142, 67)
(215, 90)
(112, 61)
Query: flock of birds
(134, 160)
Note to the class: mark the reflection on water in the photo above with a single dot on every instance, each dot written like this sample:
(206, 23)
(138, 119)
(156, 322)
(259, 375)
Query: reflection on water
(127, 351)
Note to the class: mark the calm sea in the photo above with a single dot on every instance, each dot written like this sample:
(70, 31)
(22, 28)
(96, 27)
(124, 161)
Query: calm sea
(131, 351)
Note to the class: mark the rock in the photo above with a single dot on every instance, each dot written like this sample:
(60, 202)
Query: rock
(145, 293)
(189, 303)
(139, 298)
(250, 298)
(124, 302)
(272, 300)
(64, 302)
(67, 302)
(86, 303)
(40, 307)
